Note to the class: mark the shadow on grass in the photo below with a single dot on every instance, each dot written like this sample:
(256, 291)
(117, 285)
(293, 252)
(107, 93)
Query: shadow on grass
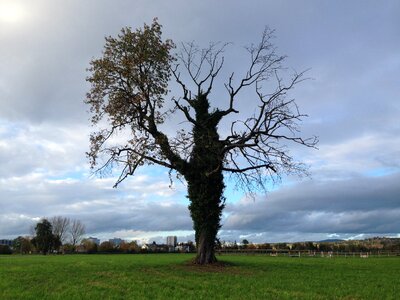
(221, 266)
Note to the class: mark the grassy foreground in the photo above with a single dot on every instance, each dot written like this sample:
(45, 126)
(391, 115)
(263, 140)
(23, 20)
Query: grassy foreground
(168, 276)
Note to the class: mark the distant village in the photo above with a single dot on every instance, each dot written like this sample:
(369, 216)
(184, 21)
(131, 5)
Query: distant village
(23, 245)
(367, 245)
(91, 245)
(118, 245)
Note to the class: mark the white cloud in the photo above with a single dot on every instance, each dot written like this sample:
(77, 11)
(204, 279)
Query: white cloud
(44, 148)
(371, 154)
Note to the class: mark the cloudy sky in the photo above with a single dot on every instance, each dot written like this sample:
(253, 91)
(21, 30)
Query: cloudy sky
(353, 103)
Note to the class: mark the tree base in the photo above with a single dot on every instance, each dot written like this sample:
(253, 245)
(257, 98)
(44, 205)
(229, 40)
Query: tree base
(203, 260)
(216, 267)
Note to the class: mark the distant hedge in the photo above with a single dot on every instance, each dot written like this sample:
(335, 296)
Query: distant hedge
(4, 249)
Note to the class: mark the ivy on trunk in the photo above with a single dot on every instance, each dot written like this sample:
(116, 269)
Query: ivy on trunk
(205, 181)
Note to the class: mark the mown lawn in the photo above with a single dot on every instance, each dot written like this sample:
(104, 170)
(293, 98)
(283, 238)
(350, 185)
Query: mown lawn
(168, 276)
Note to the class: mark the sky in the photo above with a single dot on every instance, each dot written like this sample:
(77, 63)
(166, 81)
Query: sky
(352, 99)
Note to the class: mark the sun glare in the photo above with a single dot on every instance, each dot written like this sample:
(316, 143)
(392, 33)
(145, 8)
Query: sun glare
(11, 12)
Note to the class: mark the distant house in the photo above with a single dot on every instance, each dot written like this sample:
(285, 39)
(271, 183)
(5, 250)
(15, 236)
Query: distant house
(116, 242)
(6, 242)
(153, 247)
(183, 247)
(228, 244)
(94, 240)
(172, 241)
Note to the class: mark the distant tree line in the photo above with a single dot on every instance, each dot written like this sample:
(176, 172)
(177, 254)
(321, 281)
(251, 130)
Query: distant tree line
(52, 235)
(63, 235)
(5, 249)
(372, 244)
(89, 247)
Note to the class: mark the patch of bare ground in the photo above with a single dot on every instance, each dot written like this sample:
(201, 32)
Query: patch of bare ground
(216, 267)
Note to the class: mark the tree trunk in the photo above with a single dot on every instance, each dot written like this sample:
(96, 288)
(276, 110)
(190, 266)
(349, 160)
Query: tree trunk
(205, 182)
(206, 208)
(205, 249)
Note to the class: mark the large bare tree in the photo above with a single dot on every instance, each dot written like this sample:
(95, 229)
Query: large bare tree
(76, 231)
(129, 90)
(60, 227)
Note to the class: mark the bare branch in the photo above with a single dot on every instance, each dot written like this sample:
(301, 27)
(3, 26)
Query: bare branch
(202, 66)
(185, 110)
(238, 170)
(254, 146)
(77, 230)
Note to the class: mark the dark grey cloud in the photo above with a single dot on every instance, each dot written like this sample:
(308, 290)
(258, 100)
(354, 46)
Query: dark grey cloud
(148, 217)
(356, 205)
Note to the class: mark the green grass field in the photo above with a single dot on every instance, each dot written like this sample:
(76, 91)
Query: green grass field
(169, 276)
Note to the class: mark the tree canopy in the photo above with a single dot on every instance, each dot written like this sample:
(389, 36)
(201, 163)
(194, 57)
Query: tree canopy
(44, 239)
